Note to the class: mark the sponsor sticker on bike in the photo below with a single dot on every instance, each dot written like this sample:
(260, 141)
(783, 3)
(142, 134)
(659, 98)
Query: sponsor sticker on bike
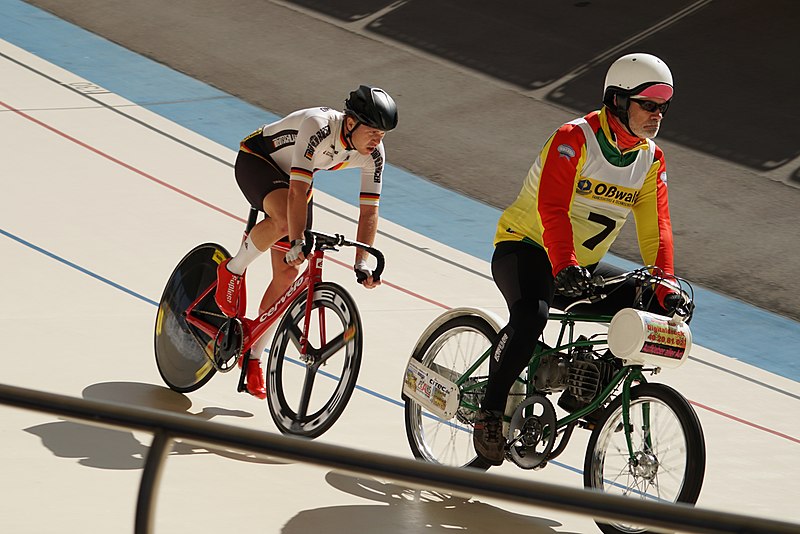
(663, 339)
(433, 391)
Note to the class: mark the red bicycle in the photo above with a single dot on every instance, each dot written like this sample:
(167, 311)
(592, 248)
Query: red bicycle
(319, 327)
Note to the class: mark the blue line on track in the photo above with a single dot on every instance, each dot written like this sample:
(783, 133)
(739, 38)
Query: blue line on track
(77, 267)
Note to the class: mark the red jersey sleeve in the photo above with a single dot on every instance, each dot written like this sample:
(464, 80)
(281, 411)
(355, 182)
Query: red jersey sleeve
(561, 159)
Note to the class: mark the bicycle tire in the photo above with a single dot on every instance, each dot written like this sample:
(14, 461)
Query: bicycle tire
(453, 347)
(179, 348)
(671, 467)
(313, 408)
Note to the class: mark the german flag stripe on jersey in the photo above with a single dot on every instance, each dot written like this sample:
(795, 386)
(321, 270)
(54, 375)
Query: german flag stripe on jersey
(312, 139)
(369, 199)
(301, 174)
(245, 148)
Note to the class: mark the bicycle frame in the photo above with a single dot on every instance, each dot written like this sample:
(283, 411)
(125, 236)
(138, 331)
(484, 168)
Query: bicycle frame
(316, 323)
(253, 329)
(595, 364)
(566, 342)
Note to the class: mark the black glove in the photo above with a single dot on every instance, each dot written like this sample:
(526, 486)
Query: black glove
(676, 302)
(572, 281)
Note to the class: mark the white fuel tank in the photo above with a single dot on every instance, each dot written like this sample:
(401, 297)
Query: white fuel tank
(642, 338)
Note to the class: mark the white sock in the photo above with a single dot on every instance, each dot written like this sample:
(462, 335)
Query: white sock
(247, 254)
(260, 347)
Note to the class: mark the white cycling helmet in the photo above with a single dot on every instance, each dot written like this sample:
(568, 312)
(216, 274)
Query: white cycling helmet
(642, 75)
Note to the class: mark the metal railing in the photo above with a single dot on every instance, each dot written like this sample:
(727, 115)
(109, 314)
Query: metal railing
(167, 427)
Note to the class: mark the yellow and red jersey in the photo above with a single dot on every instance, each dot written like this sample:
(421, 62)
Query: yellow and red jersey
(579, 192)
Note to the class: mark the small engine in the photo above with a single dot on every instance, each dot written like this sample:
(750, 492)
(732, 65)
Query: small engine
(588, 374)
(551, 375)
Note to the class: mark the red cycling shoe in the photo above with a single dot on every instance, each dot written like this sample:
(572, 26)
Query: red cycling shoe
(230, 294)
(255, 379)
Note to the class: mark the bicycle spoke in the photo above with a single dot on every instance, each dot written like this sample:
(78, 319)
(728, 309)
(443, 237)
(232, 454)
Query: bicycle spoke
(308, 405)
(454, 351)
(335, 345)
(295, 334)
(308, 387)
(667, 455)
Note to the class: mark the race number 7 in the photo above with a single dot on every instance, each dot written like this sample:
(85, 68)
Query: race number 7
(608, 226)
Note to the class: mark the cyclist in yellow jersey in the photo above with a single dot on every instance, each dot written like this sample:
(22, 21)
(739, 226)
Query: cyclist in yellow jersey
(588, 177)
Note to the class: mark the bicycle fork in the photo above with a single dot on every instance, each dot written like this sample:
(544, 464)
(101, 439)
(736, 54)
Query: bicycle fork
(635, 375)
(311, 361)
(315, 277)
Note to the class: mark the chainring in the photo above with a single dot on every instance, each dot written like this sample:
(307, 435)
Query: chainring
(532, 432)
(228, 345)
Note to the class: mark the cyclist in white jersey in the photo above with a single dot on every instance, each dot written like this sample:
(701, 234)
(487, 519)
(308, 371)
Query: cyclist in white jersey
(275, 169)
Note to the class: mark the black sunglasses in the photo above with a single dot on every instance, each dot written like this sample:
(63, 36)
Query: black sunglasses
(650, 106)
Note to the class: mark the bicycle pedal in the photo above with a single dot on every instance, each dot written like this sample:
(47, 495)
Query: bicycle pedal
(586, 425)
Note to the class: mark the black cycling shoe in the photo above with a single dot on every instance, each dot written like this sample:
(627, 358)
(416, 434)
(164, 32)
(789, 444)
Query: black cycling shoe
(488, 437)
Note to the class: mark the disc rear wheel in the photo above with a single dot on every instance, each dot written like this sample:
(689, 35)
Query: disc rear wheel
(182, 351)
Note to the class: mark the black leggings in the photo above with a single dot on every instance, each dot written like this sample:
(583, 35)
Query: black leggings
(523, 273)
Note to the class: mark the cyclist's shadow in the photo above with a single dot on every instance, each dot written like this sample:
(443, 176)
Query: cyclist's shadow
(107, 448)
(410, 510)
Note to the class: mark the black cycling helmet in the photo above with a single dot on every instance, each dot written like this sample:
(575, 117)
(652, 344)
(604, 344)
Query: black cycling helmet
(372, 106)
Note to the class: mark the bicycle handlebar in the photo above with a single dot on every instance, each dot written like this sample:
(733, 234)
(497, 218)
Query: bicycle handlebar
(643, 277)
(323, 241)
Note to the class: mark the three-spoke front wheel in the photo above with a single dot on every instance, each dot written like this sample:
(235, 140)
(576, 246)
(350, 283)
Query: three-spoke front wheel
(667, 458)
(308, 392)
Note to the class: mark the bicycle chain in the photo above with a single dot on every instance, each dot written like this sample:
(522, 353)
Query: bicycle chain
(212, 314)
(204, 348)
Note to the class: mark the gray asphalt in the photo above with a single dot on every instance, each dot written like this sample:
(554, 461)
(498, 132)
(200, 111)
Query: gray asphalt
(481, 86)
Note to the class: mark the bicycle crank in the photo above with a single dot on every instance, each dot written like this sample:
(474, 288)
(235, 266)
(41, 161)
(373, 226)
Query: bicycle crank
(227, 345)
(532, 432)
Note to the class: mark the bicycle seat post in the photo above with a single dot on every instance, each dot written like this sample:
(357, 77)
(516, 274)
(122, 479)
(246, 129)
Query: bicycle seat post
(251, 220)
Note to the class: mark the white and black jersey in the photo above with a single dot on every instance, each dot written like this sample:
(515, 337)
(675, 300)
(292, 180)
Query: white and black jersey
(312, 139)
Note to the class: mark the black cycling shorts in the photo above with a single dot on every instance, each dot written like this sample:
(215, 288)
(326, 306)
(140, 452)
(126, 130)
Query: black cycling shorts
(257, 177)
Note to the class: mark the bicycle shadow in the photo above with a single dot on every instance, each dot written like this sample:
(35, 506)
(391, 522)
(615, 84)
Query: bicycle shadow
(410, 510)
(108, 448)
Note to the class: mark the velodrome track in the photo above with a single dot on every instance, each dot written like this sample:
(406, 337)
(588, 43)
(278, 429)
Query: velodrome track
(481, 86)
(101, 197)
